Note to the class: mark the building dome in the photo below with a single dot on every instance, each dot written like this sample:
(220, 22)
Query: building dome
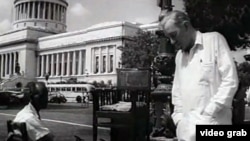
(43, 14)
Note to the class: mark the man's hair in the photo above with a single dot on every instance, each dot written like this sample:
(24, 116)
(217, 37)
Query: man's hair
(36, 88)
(178, 17)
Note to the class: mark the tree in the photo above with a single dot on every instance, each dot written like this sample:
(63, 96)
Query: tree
(244, 73)
(139, 52)
(229, 17)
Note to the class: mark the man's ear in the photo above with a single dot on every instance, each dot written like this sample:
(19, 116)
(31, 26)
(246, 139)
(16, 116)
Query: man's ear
(186, 25)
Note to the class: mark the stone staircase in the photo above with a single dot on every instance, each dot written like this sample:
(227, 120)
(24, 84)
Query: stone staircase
(13, 80)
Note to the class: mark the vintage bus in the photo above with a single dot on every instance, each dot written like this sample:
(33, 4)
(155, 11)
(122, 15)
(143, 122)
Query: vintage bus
(70, 91)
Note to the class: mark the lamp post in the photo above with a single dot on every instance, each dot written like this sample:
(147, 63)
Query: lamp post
(164, 64)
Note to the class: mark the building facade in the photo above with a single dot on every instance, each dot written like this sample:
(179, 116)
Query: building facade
(38, 45)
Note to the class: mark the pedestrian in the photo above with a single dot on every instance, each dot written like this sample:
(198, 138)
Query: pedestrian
(85, 97)
(205, 79)
(30, 113)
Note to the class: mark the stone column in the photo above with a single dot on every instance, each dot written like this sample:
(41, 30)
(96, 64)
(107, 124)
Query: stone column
(93, 60)
(57, 64)
(39, 9)
(20, 12)
(58, 12)
(42, 66)
(47, 63)
(80, 63)
(49, 13)
(6, 63)
(38, 66)
(28, 12)
(68, 64)
(14, 58)
(114, 59)
(11, 64)
(2, 65)
(63, 65)
(44, 9)
(33, 9)
(52, 64)
(24, 9)
(74, 63)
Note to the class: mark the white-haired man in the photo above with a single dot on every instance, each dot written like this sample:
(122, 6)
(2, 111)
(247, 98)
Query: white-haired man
(205, 79)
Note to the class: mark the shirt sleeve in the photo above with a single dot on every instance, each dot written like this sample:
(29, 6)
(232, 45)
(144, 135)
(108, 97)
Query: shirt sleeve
(176, 95)
(36, 129)
(229, 78)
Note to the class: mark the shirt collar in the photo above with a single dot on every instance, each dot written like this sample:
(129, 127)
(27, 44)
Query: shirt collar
(198, 38)
(198, 41)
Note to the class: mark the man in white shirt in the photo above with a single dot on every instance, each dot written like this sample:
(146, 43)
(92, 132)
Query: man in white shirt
(205, 79)
(30, 113)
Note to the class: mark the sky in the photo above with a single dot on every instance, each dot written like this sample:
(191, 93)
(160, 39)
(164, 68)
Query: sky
(82, 14)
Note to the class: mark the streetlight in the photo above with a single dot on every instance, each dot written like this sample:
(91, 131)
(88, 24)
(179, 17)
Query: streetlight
(119, 64)
(163, 63)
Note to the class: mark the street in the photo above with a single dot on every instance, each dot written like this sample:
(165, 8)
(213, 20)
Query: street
(64, 120)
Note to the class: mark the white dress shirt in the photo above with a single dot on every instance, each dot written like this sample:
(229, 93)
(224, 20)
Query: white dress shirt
(34, 126)
(205, 79)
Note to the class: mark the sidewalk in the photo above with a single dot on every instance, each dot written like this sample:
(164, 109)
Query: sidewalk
(68, 105)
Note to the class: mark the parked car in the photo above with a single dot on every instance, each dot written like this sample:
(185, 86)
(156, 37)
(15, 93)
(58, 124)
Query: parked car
(13, 98)
(57, 98)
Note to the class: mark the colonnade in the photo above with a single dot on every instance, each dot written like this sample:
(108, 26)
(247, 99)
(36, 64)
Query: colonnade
(40, 10)
(8, 63)
(103, 59)
(62, 64)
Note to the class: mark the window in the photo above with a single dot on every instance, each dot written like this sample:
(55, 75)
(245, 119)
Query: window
(111, 62)
(96, 64)
(78, 89)
(104, 64)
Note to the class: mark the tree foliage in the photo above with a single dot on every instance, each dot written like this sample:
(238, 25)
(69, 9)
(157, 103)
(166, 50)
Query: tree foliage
(244, 74)
(140, 51)
(229, 17)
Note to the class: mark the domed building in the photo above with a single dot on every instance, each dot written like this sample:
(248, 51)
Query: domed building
(49, 15)
(38, 45)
